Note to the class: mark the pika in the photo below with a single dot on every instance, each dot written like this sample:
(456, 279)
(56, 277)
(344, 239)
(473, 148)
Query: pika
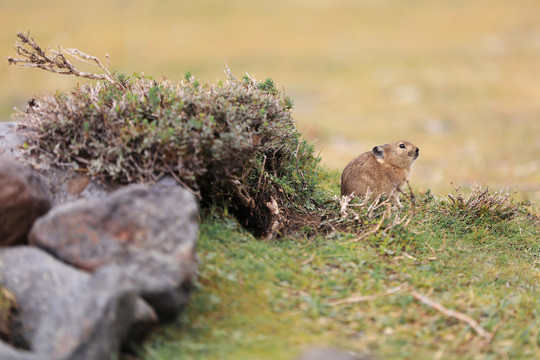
(383, 170)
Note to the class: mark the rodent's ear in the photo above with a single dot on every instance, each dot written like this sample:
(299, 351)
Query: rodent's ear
(378, 152)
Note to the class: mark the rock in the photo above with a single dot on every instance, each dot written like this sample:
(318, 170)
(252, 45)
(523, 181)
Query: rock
(65, 313)
(329, 354)
(23, 199)
(148, 232)
(11, 141)
(9, 353)
(144, 320)
(63, 184)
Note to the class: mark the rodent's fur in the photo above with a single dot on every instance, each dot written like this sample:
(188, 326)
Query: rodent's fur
(382, 170)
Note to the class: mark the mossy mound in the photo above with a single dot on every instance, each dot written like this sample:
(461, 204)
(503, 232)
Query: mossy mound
(232, 143)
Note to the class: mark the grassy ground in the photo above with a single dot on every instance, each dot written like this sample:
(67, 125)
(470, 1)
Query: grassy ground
(457, 78)
(271, 300)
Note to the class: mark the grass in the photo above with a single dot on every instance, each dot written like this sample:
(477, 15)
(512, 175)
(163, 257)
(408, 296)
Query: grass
(270, 300)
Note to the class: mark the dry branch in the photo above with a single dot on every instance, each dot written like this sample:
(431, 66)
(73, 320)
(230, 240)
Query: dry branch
(454, 314)
(488, 336)
(33, 56)
(359, 299)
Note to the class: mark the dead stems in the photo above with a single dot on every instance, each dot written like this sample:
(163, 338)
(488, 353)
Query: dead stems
(454, 314)
(424, 300)
(33, 56)
(390, 217)
(359, 299)
(376, 229)
(481, 200)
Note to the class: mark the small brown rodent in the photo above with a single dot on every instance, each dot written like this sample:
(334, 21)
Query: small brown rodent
(382, 170)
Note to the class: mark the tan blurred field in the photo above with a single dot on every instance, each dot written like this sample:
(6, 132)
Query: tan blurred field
(458, 78)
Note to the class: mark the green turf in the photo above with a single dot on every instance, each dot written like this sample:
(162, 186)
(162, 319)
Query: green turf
(270, 300)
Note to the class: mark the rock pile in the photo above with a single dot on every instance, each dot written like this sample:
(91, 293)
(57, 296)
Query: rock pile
(91, 267)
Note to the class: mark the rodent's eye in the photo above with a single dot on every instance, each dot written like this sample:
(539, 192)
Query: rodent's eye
(402, 146)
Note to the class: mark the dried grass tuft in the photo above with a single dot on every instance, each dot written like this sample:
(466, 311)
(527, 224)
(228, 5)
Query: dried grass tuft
(483, 203)
(366, 216)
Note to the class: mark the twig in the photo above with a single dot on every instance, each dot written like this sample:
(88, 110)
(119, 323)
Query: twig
(454, 314)
(197, 193)
(35, 57)
(228, 72)
(310, 259)
(359, 299)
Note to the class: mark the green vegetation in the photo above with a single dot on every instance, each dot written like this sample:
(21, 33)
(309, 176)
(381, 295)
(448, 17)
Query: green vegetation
(270, 300)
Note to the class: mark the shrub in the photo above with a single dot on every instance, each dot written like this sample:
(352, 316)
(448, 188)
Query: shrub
(232, 143)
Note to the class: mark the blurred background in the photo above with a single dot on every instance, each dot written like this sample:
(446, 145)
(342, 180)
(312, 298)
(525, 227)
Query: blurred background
(460, 78)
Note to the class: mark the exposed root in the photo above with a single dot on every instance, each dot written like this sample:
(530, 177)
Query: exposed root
(276, 222)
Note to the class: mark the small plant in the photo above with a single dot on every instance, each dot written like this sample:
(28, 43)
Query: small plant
(268, 86)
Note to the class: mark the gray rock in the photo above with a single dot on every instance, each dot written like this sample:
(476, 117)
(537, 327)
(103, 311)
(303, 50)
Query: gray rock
(325, 353)
(9, 353)
(65, 313)
(63, 184)
(23, 198)
(149, 232)
(11, 141)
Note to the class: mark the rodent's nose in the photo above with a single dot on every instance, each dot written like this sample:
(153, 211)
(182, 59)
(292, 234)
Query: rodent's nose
(416, 153)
